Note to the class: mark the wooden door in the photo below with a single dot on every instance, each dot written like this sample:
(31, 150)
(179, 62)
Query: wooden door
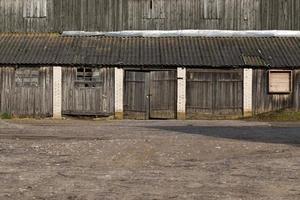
(136, 104)
(163, 94)
(228, 93)
(150, 95)
(214, 93)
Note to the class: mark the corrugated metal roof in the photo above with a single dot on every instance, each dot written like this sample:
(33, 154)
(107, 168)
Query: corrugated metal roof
(254, 61)
(54, 49)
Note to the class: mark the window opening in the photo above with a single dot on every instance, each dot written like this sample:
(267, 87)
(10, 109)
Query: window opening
(88, 77)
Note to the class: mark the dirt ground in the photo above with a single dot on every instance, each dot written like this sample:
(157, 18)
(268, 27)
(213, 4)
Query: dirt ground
(107, 160)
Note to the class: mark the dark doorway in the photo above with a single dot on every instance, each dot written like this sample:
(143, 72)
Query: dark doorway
(150, 94)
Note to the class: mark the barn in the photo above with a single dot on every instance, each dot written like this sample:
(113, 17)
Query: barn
(136, 77)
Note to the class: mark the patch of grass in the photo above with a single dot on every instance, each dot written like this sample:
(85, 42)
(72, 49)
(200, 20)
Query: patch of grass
(5, 116)
(282, 115)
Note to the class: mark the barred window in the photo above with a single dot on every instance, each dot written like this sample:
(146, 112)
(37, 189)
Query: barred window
(35, 9)
(27, 77)
(88, 77)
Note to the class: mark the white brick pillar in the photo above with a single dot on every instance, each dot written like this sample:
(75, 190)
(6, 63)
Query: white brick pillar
(248, 76)
(57, 92)
(119, 88)
(181, 93)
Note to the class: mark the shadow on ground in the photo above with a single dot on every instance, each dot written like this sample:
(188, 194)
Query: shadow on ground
(277, 135)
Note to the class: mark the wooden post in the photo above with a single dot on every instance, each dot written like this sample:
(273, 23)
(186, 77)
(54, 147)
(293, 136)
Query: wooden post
(181, 93)
(119, 82)
(57, 92)
(248, 76)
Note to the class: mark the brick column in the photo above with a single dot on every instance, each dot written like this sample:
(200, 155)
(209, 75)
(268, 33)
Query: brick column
(57, 92)
(248, 76)
(119, 88)
(181, 93)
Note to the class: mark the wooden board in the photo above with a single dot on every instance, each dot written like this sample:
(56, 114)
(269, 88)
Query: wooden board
(280, 81)
(214, 93)
(150, 95)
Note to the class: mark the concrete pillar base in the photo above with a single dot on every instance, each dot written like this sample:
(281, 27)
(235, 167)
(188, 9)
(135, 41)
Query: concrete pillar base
(181, 116)
(248, 114)
(119, 115)
(57, 117)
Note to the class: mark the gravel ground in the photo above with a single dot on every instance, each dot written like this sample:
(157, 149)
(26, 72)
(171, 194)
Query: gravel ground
(105, 160)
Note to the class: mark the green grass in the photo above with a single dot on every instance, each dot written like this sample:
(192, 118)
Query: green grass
(5, 116)
(282, 115)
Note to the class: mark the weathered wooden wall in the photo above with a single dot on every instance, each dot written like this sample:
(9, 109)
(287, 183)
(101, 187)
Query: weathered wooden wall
(265, 102)
(213, 93)
(87, 100)
(26, 101)
(297, 90)
(112, 15)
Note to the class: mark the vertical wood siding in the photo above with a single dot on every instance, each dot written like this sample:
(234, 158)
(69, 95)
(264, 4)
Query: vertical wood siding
(262, 100)
(26, 101)
(113, 15)
(214, 93)
(297, 90)
(87, 100)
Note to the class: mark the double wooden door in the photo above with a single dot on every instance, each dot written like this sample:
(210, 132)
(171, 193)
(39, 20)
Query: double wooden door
(150, 94)
(214, 93)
